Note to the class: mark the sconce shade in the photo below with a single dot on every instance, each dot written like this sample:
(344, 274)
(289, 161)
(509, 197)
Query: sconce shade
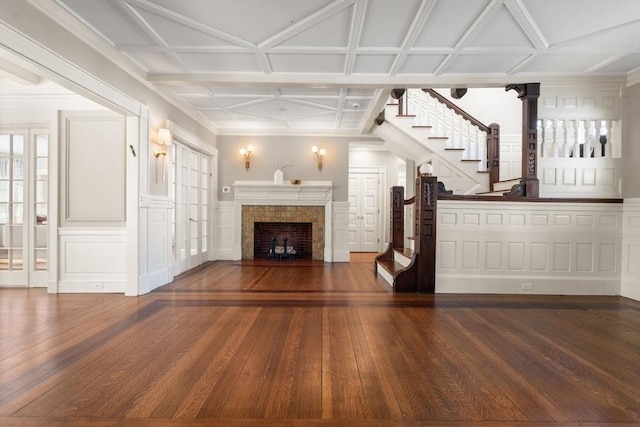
(164, 136)
(246, 153)
(319, 152)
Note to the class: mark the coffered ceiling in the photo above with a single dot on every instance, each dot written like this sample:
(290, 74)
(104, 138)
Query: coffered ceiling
(279, 66)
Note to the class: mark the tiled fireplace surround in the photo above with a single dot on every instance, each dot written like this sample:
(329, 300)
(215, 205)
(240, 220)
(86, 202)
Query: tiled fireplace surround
(264, 201)
(283, 214)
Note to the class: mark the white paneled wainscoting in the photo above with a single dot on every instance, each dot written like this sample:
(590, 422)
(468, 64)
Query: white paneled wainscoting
(92, 259)
(529, 248)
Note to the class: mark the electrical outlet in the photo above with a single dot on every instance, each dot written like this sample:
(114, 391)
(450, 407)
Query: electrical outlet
(527, 286)
(226, 189)
(98, 286)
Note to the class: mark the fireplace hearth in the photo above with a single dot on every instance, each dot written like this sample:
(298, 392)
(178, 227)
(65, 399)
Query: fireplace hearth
(295, 236)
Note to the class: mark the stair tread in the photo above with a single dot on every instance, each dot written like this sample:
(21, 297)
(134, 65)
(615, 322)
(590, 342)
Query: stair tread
(407, 252)
(470, 160)
(390, 265)
(405, 115)
(454, 149)
(422, 126)
(438, 137)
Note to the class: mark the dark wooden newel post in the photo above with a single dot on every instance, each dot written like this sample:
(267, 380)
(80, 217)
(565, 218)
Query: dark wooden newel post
(425, 232)
(529, 94)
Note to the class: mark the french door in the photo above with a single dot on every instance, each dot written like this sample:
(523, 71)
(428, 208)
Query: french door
(364, 212)
(24, 206)
(190, 188)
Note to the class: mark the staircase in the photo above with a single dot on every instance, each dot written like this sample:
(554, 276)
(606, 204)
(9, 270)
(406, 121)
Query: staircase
(405, 269)
(424, 126)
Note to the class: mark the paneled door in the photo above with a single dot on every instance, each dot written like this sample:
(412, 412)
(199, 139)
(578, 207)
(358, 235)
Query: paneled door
(364, 212)
(24, 205)
(191, 185)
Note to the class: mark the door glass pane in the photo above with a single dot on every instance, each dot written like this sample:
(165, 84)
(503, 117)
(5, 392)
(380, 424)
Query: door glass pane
(4, 167)
(42, 145)
(18, 213)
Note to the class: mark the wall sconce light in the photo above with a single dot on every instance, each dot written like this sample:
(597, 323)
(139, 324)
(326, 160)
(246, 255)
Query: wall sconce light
(319, 155)
(164, 140)
(246, 153)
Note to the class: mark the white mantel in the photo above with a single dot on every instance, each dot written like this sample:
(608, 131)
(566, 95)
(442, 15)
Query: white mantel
(307, 193)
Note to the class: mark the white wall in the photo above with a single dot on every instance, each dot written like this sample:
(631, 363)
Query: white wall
(631, 142)
(295, 150)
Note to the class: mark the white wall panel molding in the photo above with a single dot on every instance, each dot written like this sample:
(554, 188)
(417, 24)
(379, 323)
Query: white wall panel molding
(92, 260)
(529, 247)
(630, 281)
(225, 225)
(581, 177)
(340, 232)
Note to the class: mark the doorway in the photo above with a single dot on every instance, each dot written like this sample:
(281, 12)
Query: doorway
(24, 205)
(364, 209)
(191, 178)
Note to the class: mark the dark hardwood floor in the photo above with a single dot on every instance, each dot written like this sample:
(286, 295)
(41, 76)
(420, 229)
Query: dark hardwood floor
(306, 343)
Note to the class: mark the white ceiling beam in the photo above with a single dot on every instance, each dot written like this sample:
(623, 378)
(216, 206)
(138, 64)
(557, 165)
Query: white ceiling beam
(524, 19)
(414, 30)
(305, 24)
(191, 23)
(18, 73)
(357, 23)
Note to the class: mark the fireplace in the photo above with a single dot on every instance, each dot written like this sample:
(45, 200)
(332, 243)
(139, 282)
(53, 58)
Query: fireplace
(280, 220)
(297, 236)
(264, 201)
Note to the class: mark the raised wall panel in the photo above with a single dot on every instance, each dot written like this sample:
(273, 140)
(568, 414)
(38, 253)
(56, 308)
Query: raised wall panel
(585, 220)
(589, 177)
(539, 219)
(515, 252)
(607, 176)
(93, 168)
(470, 255)
(494, 219)
(516, 219)
(448, 218)
(568, 177)
(471, 218)
(549, 176)
(570, 102)
(608, 257)
(539, 256)
(561, 257)
(633, 255)
(447, 258)
(493, 256)
(584, 257)
(608, 221)
(562, 220)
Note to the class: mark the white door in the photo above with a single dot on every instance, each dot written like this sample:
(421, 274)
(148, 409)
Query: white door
(24, 205)
(191, 179)
(364, 212)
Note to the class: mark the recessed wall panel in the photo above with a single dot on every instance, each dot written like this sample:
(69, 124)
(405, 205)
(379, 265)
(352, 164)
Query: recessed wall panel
(584, 257)
(447, 258)
(515, 255)
(561, 257)
(470, 255)
(608, 257)
(539, 255)
(493, 256)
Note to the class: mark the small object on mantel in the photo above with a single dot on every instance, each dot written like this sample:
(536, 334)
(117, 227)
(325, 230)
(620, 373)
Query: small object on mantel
(296, 181)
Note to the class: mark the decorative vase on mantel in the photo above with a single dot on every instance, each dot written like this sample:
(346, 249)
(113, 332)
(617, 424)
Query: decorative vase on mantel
(278, 177)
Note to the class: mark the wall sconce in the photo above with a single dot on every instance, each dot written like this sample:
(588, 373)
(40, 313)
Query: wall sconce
(164, 140)
(319, 155)
(246, 153)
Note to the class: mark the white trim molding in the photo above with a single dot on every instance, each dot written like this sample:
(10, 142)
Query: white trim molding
(630, 280)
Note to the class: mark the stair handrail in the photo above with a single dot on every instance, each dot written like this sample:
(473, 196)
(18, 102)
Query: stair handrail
(458, 110)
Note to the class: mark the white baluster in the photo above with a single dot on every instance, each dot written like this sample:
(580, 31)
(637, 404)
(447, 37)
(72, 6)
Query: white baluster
(615, 140)
(581, 138)
(482, 151)
(592, 141)
(559, 141)
(570, 144)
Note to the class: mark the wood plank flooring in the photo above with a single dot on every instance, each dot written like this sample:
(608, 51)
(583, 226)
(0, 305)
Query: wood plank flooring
(315, 344)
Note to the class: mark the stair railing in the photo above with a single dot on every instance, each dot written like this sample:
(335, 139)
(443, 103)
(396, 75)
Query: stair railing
(479, 141)
(579, 138)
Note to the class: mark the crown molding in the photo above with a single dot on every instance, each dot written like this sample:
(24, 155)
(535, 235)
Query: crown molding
(62, 16)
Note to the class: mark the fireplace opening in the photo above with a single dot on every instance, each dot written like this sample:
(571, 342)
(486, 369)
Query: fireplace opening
(299, 239)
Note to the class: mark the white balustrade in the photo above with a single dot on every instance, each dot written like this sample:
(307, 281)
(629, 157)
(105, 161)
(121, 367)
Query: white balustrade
(580, 138)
